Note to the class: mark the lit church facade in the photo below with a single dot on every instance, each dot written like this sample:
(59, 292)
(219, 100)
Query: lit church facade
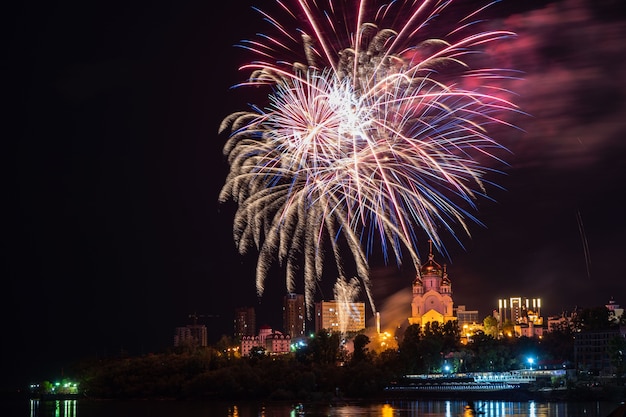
(432, 294)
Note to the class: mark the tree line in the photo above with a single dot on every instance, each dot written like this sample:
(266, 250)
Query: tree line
(324, 367)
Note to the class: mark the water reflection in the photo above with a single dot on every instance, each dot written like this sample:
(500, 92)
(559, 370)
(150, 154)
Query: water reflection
(390, 408)
(57, 408)
(233, 411)
(473, 409)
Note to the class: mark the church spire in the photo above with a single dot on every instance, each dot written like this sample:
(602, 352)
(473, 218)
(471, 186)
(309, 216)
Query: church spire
(430, 250)
(431, 267)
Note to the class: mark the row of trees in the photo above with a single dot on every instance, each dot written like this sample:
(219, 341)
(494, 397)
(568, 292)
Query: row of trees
(324, 367)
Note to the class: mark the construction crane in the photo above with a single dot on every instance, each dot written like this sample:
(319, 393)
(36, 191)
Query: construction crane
(195, 316)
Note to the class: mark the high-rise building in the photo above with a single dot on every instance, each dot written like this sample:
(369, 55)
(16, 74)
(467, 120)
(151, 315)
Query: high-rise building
(520, 310)
(294, 315)
(523, 313)
(338, 316)
(515, 308)
(592, 351)
(245, 322)
(192, 335)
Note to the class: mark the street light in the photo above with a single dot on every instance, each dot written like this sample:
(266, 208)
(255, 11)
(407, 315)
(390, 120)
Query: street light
(530, 362)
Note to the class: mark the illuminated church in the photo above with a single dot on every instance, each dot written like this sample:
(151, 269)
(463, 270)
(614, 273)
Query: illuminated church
(432, 294)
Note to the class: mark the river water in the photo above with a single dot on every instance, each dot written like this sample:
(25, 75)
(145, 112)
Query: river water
(395, 408)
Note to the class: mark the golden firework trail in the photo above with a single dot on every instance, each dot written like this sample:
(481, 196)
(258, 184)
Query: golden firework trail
(375, 132)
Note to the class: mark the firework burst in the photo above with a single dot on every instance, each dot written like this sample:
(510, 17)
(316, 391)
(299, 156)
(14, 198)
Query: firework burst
(375, 134)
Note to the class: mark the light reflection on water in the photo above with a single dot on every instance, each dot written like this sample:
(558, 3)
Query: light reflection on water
(56, 408)
(414, 408)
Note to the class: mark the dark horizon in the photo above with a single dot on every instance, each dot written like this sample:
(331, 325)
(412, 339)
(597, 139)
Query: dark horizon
(115, 232)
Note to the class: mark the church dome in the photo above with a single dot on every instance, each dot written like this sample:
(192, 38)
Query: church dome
(431, 267)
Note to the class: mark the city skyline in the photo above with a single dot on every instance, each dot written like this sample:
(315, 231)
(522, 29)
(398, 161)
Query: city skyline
(116, 234)
(515, 310)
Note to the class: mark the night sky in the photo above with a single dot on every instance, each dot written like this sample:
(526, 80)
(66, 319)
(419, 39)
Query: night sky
(115, 233)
